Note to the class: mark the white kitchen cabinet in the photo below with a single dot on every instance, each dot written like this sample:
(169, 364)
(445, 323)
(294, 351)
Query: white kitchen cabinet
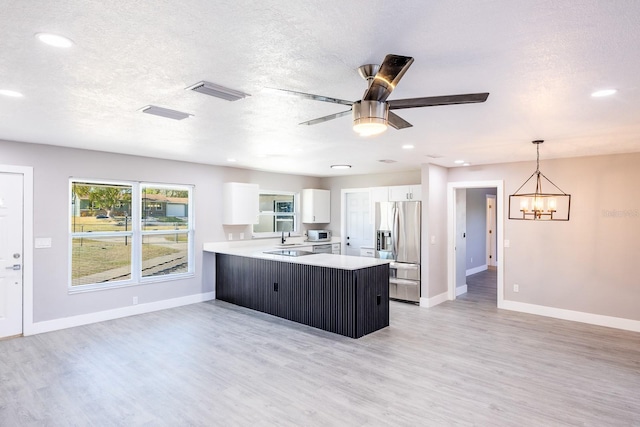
(335, 248)
(405, 193)
(239, 203)
(367, 252)
(316, 206)
(379, 194)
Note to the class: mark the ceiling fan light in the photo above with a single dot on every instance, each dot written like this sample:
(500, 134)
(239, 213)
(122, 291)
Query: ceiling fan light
(370, 126)
(370, 117)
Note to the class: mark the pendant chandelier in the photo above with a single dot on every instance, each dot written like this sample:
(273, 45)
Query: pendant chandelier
(539, 206)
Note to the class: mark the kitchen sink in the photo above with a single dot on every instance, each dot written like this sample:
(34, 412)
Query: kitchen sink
(290, 252)
(289, 244)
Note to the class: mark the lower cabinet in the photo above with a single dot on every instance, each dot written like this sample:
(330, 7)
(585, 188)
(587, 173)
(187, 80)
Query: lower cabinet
(348, 302)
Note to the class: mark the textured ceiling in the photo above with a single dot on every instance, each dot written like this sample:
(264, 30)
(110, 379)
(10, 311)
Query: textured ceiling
(539, 60)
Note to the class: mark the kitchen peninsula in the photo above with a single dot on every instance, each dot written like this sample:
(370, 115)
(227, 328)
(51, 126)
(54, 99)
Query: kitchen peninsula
(343, 294)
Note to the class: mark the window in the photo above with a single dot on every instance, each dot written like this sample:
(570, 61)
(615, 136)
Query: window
(278, 213)
(115, 241)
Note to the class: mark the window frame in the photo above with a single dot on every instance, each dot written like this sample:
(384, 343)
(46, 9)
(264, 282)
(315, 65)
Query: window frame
(295, 214)
(135, 234)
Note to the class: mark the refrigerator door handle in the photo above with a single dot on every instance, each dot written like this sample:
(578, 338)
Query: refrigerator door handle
(396, 230)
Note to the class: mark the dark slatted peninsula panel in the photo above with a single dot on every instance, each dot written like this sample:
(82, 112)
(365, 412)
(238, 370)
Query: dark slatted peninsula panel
(373, 299)
(351, 303)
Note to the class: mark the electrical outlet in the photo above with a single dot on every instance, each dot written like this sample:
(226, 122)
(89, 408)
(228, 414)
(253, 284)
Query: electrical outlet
(471, 260)
(507, 243)
(230, 236)
(241, 236)
(135, 300)
(516, 288)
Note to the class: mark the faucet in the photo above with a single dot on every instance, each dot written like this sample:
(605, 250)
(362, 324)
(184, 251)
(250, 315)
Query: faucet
(283, 238)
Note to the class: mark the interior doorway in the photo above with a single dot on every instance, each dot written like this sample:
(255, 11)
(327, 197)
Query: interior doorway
(16, 250)
(357, 229)
(469, 218)
(491, 235)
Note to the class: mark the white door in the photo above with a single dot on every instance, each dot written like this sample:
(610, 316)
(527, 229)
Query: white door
(491, 232)
(359, 229)
(461, 241)
(11, 185)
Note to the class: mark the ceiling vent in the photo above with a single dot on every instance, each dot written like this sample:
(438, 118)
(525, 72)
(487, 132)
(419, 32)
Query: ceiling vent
(218, 91)
(165, 112)
(387, 161)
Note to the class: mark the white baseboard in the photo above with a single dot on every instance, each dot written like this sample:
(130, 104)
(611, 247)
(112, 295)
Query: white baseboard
(101, 316)
(461, 290)
(576, 316)
(433, 301)
(477, 269)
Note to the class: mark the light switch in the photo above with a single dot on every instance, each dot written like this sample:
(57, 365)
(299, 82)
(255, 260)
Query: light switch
(433, 240)
(507, 243)
(42, 242)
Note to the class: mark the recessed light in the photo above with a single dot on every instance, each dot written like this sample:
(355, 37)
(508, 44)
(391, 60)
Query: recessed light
(408, 147)
(458, 162)
(11, 93)
(54, 40)
(466, 164)
(340, 166)
(231, 160)
(603, 92)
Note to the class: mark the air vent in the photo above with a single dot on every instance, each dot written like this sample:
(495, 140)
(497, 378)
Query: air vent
(218, 91)
(387, 161)
(434, 156)
(165, 112)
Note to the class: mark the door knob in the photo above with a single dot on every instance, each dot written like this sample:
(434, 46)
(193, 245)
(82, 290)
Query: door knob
(14, 267)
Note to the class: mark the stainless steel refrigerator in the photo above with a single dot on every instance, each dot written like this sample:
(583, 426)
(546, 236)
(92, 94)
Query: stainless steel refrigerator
(398, 238)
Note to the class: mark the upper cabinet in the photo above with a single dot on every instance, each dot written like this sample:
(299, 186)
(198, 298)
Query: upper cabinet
(316, 206)
(404, 193)
(240, 203)
(379, 194)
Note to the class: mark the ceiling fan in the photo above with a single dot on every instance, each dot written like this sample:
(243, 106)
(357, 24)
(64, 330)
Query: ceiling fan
(371, 114)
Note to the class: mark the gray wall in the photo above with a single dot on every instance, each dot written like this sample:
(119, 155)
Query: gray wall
(588, 263)
(52, 168)
(434, 234)
(477, 226)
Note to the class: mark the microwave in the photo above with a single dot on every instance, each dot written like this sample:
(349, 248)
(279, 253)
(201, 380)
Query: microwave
(318, 235)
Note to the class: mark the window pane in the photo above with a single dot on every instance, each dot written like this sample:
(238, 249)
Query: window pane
(277, 213)
(165, 208)
(164, 254)
(99, 260)
(100, 207)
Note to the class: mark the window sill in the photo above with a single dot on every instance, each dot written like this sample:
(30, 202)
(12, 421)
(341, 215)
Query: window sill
(80, 289)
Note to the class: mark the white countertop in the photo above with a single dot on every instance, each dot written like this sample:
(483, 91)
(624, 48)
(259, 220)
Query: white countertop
(254, 249)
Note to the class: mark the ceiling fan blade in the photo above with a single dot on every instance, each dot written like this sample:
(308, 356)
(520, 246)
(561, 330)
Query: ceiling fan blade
(311, 96)
(398, 122)
(391, 71)
(326, 118)
(432, 101)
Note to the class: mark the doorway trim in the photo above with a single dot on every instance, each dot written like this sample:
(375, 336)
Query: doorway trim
(451, 233)
(27, 243)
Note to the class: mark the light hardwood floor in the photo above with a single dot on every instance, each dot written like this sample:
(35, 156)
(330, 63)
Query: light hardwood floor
(461, 363)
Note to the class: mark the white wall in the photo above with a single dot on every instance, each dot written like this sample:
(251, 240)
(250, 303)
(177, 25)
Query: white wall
(52, 168)
(587, 264)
